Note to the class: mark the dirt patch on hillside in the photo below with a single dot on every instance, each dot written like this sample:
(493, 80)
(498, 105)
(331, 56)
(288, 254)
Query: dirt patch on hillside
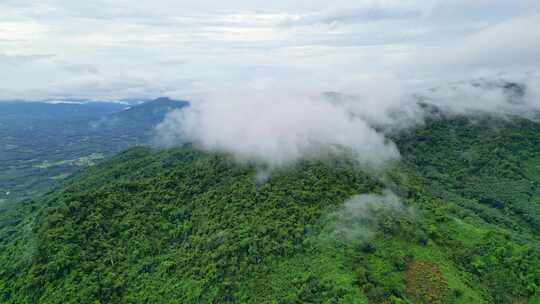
(426, 284)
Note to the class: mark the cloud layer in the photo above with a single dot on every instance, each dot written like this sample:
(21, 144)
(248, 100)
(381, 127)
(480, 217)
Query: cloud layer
(116, 49)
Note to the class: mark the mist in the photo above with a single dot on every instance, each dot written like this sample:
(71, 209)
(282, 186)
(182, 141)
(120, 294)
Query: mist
(277, 124)
(360, 217)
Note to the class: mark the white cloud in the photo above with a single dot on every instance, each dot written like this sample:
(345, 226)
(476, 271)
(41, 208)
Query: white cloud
(225, 44)
(512, 45)
(360, 217)
(276, 125)
(19, 59)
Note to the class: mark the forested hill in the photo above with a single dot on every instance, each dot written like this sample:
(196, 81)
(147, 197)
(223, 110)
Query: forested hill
(456, 221)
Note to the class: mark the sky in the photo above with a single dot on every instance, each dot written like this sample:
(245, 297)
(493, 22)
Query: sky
(113, 49)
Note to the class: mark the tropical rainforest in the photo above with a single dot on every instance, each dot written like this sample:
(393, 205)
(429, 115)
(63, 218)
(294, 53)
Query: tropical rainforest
(456, 220)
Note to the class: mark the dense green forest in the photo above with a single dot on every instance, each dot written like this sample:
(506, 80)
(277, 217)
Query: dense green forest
(457, 220)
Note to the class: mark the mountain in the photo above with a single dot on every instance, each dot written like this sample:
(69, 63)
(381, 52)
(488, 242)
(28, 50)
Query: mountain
(151, 112)
(41, 143)
(142, 116)
(456, 221)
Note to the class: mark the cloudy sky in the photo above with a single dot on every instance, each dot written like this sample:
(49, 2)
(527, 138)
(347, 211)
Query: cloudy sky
(125, 48)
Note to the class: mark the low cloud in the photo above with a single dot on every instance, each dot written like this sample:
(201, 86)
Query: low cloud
(360, 217)
(276, 126)
(498, 97)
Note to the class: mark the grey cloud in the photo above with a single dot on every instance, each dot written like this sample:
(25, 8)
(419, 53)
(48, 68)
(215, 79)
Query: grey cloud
(508, 43)
(109, 88)
(340, 17)
(81, 69)
(226, 44)
(17, 60)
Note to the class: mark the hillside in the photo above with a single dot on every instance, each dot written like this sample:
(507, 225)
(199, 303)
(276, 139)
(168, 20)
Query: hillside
(456, 221)
(142, 116)
(43, 143)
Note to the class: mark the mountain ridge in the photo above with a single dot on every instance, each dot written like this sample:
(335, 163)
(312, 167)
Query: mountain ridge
(185, 226)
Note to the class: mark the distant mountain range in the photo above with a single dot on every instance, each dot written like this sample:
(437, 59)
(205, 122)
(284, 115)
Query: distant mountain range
(142, 116)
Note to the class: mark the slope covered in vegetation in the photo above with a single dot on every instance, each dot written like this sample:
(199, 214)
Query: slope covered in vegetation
(456, 221)
(43, 143)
